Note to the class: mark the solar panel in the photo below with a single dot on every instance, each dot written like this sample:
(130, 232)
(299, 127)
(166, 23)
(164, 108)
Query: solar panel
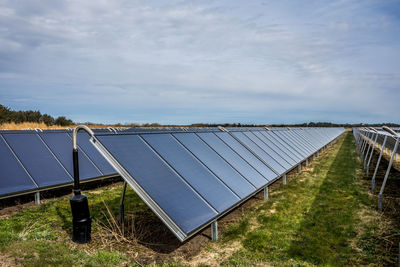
(261, 153)
(161, 187)
(61, 144)
(268, 150)
(13, 177)
(100, 162)
(254, 161)
(285, 147)
(191, 178)
(193, 171)
(293, 146)
(276, 148)
(37, 159)
(241, 187)
(233, 158)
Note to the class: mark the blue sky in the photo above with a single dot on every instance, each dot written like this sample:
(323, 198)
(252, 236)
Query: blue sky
(202, 61)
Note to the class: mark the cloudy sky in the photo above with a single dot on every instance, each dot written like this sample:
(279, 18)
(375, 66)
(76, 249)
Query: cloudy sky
(202, 61)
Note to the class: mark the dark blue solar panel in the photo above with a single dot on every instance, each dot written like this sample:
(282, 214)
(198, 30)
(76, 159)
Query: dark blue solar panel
(246, 154)
(37, 159)
(13, 178)
(264, 156)
(276, 148)
(268, 150)
(234, 159)
(285, 147)
(93, 154)
(295, 140)
(216, 164)
(182, 204)
(193, 171)
(61, 145)
(293, 146)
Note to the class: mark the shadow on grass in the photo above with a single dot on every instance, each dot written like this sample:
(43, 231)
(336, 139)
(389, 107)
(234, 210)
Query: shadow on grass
(140, 223)
(325, 234)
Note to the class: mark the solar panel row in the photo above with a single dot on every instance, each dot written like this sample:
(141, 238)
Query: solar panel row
(189, 179)
(32, 161)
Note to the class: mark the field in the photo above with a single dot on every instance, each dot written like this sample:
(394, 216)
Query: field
(324, 216)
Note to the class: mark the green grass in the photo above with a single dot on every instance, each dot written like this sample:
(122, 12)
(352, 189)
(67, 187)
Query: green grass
(41, 235)
(314, 220)
(317, 219)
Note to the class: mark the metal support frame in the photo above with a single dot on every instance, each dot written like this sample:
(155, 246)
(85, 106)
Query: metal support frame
(299, 168)
(266, 193)
(214, 231)
(37, 198)
(284, 179)
(313, 156)
(377, 165)
(306, 161)
(372, 152)
(121, 208)
(368, 149)
(380, 196)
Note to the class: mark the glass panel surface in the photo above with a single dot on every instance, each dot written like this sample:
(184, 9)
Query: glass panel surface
(93, 154)
(246, 154)
(234, 159)
(216, 164)
(268, 150)
(37, 159)
(193, 171)
(264, 156)
(178, 200)
(13, 178)
(61, 145)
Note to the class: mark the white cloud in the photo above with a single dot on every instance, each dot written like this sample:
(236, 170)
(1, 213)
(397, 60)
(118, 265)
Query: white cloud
(281, 58)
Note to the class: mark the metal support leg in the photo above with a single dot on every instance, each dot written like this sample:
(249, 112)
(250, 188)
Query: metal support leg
(387, 175)
(377, 165)
(307, 162)
(299, 168)
(266, 196)
(121, 208)
(284, 179)
(313, 157)
(317, 153)
(37, 198)
(214, 231)
(372, 152)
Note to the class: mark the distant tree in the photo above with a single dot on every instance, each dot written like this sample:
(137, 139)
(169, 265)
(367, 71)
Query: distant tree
(63, 121)
(47, 119)
(5, 114)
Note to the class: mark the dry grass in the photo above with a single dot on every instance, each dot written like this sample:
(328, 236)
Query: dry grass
(33, 125)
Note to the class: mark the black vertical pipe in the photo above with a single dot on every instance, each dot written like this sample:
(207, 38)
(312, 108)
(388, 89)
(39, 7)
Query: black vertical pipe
(81, 220)
(77, 189)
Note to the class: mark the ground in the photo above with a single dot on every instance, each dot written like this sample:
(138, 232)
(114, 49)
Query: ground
(324, 216)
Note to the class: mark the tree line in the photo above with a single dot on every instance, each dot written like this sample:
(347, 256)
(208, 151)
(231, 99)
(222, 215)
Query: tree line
(7, 115)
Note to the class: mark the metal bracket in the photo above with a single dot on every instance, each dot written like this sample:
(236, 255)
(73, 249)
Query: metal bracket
(266, 195)
(214, 231)
(37, 198)
(223, 129)
(121, 208)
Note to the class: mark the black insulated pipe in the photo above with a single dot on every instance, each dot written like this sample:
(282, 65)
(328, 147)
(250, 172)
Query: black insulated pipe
(81, 220)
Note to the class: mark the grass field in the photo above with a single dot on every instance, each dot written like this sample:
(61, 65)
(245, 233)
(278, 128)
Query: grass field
(322, 217)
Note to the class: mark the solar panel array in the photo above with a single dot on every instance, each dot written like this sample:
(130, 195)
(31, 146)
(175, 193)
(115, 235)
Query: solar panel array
(32, 161)
(190, 178)
(368, 140)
